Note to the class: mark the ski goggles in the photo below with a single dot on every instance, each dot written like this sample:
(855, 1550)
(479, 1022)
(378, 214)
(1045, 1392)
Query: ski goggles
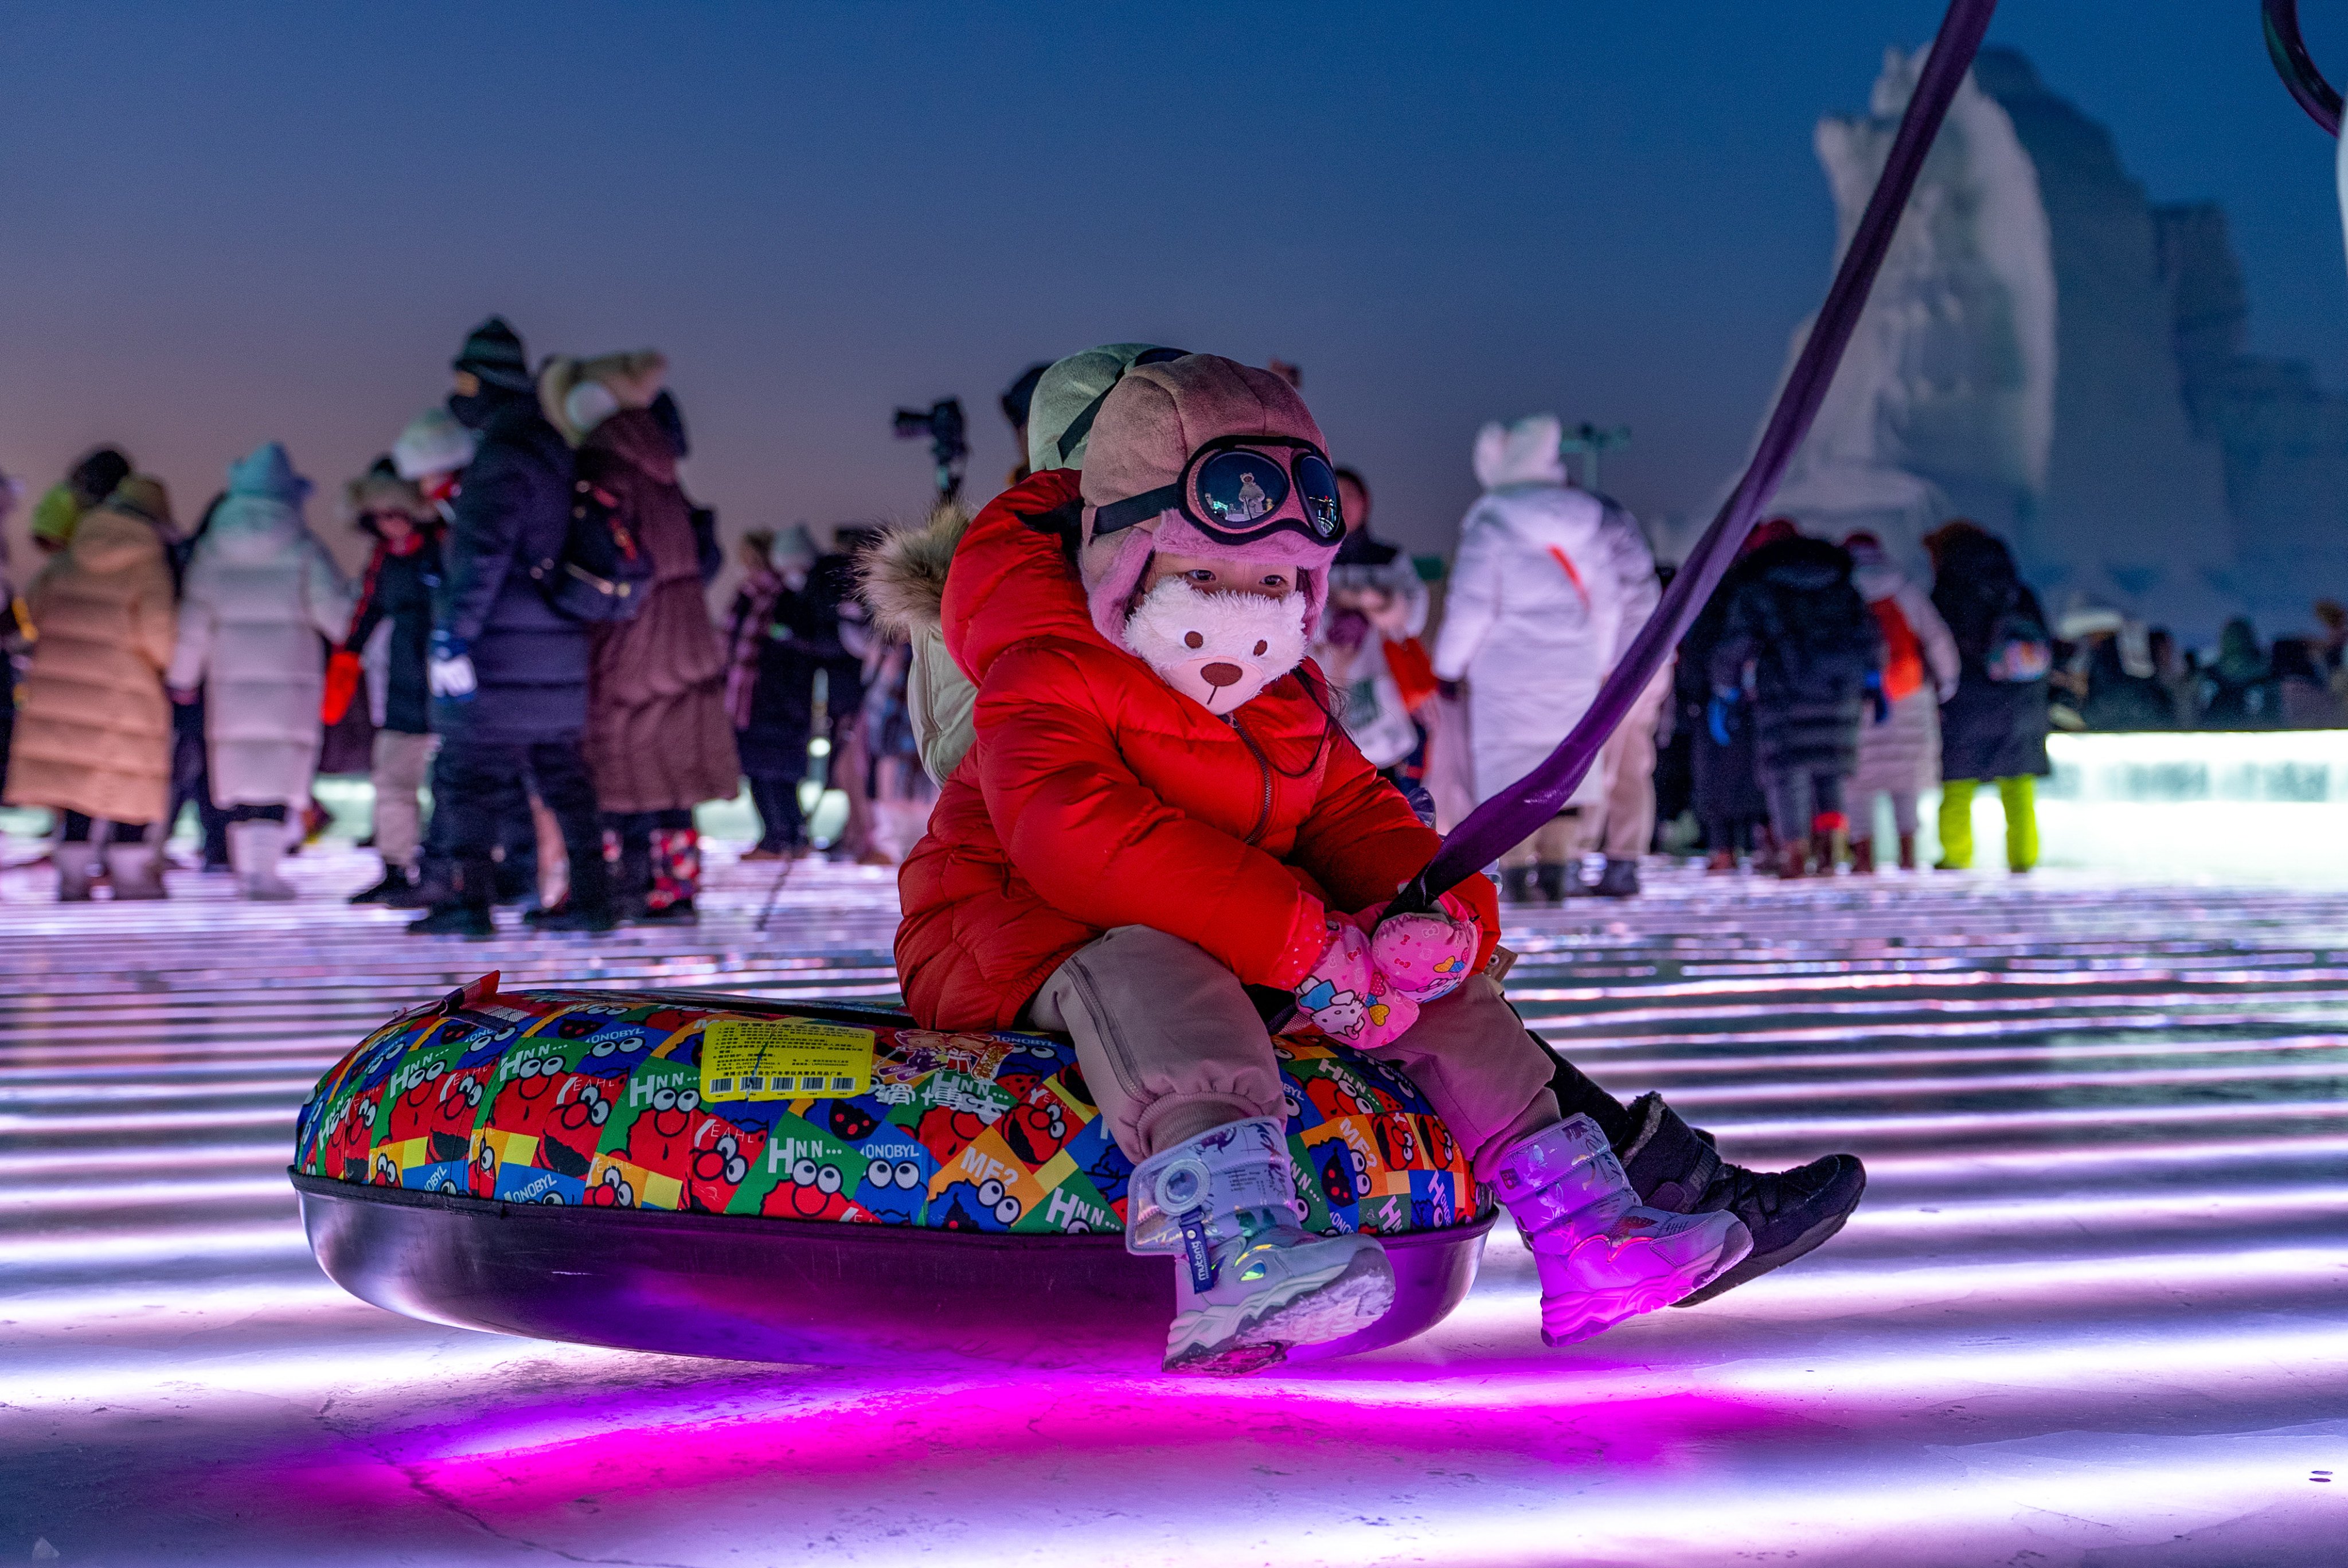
(1241, 488)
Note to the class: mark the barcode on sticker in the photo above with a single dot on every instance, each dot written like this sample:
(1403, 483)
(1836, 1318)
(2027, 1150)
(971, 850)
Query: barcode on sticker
(784, 1058)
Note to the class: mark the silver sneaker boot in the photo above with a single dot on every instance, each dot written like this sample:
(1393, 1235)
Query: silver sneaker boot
(1251, 1281)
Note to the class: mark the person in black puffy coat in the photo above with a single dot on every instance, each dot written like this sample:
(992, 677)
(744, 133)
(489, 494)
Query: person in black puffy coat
(1725, 787)
(1996, 726)
(1800, 643)
(507, 670)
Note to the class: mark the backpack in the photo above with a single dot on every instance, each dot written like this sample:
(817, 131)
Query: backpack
(2020, 651)
(602, 572)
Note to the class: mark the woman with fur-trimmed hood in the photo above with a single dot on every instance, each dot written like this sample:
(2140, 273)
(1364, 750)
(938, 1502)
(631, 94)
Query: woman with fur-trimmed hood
(658, 740)
(386, 651)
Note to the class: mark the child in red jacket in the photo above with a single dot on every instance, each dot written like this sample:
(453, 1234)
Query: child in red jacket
(1159, 811)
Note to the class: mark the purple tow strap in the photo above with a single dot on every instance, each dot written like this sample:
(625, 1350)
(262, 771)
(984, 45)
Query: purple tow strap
(1510, 817)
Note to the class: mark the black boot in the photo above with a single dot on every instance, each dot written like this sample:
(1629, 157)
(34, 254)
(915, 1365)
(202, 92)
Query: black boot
(632, 895)
(1516, 884)
(435, 883)
(1618, 880)
(516, 878)
(1559, 882)
(587, 907)
(463, 910)
(1673, 1167)
(394, 889)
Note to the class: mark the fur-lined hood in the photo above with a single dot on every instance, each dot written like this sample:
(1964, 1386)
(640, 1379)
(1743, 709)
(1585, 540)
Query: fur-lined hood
(632, 379)
(903, 573)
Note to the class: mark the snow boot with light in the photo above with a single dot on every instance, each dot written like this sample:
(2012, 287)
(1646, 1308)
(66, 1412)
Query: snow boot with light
(676, 877)
(1604, 1257)
(76, 864)
(1516, 884)
(1618, 880)
(1673, 1167)
(134, 871)
(254, 849)
(1250, 1281)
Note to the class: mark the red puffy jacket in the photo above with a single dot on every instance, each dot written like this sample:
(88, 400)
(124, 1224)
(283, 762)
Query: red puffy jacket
(1097, 796)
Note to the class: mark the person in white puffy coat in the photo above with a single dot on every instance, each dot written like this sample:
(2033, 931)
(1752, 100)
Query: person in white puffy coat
(1900, 753)
(261, 591)
(1531, 620)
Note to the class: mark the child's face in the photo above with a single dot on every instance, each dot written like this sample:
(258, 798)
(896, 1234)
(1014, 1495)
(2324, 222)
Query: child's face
(1218, 574)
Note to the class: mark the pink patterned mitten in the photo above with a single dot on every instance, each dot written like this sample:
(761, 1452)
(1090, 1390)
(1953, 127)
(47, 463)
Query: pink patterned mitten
(1345, 997)
(1426, 956)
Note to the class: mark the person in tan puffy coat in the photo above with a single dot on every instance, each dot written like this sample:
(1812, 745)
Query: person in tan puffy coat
(93, 728)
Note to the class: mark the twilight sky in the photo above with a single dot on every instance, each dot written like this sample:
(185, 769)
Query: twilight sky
(227, 222)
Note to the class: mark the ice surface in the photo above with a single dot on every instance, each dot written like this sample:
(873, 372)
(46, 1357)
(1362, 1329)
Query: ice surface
(2092, 1313)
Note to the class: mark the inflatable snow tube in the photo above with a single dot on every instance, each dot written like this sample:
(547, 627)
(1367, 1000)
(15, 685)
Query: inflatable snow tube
(717, 1175)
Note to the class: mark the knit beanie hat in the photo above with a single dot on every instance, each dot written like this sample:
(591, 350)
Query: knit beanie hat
(1528, 452)
(433, 443)
(1148, 427)
(1067, 398)
(492, 352)
(268, 472)
(93, 478)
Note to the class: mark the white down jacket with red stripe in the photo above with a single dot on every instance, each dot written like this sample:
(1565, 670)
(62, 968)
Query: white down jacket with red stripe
(1531, 618)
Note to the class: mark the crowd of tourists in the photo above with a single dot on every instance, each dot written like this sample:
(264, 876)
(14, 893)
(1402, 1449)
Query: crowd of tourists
(529, 645)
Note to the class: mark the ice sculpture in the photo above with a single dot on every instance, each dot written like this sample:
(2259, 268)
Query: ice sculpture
(2018, 362)
(1945, 399)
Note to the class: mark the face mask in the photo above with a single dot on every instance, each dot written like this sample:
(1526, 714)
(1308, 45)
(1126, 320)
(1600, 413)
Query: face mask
(472, 410)
(1217, 649)
(588, 405)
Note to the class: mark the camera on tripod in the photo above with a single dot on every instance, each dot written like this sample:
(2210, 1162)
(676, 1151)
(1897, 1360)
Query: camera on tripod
(943, 423)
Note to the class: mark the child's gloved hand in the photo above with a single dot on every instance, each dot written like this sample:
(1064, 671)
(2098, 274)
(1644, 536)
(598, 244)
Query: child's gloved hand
(1346, 998)
(1426, 956)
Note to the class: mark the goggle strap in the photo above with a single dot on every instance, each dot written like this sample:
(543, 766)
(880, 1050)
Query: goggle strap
(1119, 515)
